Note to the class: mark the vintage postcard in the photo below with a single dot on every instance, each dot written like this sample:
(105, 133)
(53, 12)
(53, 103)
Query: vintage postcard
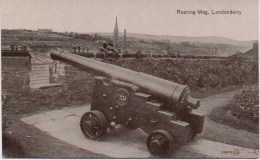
(130, 79)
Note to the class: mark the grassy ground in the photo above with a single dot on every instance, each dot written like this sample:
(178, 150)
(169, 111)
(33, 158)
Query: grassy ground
(225, 132)
(22, 140)
(223, 115)
(11, 148)
(25, 141)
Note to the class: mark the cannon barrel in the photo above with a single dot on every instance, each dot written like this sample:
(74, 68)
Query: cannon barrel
(171, 91)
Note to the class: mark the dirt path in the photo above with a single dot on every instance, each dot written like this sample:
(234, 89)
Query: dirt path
(223, 133)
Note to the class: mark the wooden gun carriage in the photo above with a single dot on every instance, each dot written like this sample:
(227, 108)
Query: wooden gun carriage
(163, 109)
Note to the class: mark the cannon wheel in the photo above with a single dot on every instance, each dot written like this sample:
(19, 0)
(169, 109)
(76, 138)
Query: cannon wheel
(159, 142)
(93, 124)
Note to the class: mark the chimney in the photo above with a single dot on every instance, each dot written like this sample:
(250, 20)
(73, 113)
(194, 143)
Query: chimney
(125, 40)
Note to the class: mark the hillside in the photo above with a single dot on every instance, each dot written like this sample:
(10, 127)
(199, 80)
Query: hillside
(165, 44)
(37, 41)
(246, 45)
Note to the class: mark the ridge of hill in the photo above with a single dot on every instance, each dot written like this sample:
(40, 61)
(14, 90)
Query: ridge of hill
(204, 39)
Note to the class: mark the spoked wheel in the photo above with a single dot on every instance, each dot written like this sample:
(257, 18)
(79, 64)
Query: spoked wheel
(93, 124)
(159, 142)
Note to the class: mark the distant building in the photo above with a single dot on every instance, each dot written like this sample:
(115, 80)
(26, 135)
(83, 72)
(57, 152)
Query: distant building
(79, 48)
(115, 38)
(44, 30)
(95, 36)
(15, 51)
(20, 30)
(252, 53)
(255, 45)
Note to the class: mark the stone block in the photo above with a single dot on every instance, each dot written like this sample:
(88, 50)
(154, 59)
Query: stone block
(79, 111)
(58, 114)
(37, 118)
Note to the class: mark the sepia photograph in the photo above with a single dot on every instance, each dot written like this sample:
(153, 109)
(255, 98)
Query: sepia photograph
(113, 79)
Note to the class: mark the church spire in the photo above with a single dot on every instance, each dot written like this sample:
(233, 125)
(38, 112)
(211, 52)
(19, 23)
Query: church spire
(116, 27)
(116, 32)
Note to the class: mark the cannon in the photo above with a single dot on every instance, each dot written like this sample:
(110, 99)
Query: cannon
(161, 108)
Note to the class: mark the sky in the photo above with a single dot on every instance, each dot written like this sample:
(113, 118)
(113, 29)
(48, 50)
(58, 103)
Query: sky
(154, 17)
